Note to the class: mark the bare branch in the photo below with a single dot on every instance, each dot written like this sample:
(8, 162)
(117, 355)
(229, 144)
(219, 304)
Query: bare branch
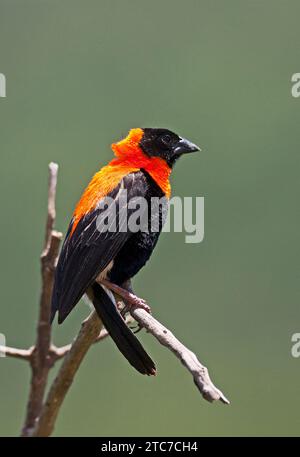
(48, 261)
(40, 359)
(23, 354)
(60, 352)
(187, 357)
(52, 183)
(55, 352)
(89, 331)
(166, 338)
(88, 335)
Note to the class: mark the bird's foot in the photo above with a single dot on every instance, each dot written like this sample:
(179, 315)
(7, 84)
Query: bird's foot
(137, 302)
(130, 299)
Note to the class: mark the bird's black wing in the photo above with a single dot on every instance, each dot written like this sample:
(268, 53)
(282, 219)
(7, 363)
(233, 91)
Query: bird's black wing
(88, 251)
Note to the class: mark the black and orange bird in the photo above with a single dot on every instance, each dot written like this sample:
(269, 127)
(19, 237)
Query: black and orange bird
(142, 168)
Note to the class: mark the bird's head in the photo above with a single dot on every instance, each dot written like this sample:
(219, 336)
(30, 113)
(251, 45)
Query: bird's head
(156, 142)
(165, 144)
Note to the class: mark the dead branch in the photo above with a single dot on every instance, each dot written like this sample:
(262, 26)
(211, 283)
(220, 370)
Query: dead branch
(166, 338)
(89, 331)
(60, 352)
(39, 360)
(22, 354)
(87, 335)
(188, 358)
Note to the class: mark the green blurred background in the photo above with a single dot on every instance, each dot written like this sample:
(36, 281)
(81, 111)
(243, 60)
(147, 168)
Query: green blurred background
(79, 75)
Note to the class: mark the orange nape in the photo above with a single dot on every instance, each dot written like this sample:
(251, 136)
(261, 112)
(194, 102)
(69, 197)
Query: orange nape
(129, 158)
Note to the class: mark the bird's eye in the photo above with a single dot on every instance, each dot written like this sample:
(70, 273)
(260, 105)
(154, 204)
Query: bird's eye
(166, 139)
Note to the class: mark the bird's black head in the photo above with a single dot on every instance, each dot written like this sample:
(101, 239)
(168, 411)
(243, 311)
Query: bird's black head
(165, 144)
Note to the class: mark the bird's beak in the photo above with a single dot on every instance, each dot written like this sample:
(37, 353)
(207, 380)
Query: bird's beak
(184, 147)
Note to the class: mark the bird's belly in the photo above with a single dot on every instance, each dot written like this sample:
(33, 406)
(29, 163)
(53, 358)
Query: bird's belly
(132, 257)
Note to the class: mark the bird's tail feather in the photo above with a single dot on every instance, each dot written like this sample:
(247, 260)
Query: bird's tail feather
(125, 340)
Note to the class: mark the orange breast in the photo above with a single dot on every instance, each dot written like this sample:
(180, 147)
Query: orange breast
(129, 158)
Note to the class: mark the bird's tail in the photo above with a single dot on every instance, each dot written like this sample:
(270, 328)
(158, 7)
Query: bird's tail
(126, 341)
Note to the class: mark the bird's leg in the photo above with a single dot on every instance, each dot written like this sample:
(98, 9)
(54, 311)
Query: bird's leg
(127, 286)
(125, 292)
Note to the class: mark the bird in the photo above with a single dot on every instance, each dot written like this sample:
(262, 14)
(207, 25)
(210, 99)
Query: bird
(141, 169)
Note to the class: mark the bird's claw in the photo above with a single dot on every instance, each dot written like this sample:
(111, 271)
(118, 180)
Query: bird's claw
(141, 303)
